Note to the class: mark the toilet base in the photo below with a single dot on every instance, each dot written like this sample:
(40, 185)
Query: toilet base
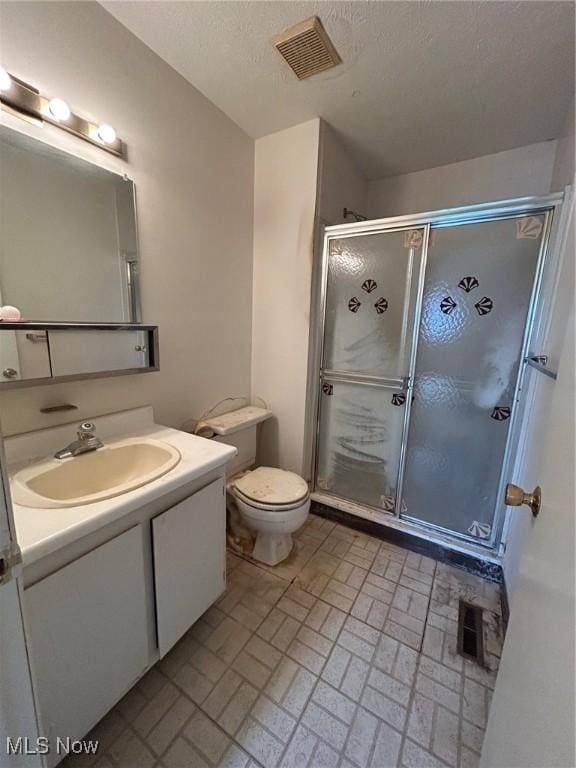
(272, 548)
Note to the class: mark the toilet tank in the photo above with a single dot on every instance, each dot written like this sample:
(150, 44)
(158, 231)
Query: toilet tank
(239, 429)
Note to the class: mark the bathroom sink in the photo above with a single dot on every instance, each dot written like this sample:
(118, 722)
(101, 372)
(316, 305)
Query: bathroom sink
(110, 471)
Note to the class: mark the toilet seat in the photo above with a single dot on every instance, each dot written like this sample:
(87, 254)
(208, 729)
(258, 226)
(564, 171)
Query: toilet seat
(271, 489)
(268, 508)
(276, 516)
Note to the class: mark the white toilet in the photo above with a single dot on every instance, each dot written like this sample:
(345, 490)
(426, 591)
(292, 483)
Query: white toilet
(272, 502)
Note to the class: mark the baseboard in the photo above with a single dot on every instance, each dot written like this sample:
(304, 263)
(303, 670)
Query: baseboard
(477, 566)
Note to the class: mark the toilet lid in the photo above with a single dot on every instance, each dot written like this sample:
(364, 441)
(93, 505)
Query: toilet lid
(272, 486)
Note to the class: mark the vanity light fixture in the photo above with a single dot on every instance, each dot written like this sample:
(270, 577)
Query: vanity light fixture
(24, 98)
(5, 80)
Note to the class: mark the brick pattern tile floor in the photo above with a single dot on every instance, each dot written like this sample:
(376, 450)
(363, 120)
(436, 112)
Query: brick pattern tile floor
(344, 656)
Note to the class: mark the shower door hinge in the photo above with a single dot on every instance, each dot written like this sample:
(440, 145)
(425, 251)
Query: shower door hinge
(9, 559)
(501, 549)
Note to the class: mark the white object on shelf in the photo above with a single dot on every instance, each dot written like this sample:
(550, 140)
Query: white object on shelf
(10, 313)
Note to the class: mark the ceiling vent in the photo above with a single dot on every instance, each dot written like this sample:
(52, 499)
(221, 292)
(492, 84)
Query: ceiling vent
(307, 48)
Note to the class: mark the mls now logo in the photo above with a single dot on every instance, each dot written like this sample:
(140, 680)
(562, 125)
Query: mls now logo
(23, 745)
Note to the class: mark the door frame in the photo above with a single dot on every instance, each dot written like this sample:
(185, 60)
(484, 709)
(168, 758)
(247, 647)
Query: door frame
(537, 314)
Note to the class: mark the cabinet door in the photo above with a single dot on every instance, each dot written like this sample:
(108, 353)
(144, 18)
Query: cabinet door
(79, 352)
(189, 542)
(89, 635)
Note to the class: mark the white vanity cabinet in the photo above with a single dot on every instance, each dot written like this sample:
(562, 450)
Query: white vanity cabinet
(88, 631)
(97, 623)
(189, 551)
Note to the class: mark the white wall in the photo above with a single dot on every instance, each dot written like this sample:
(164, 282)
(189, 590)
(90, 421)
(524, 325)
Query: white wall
(515, 173)
(193, 169)
(286, 169)
(563, 173)
(341, 184)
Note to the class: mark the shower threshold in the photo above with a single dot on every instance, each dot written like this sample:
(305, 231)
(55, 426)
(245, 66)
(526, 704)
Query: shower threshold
(389, 521)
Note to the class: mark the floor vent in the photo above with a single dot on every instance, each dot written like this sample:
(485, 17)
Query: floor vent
(470, 640)
(307, 48)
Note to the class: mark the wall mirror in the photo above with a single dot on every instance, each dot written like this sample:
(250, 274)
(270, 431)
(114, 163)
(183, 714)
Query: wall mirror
(69, 263)
(68, 240)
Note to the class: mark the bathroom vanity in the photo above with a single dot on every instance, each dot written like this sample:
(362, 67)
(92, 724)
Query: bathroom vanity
(110, 586)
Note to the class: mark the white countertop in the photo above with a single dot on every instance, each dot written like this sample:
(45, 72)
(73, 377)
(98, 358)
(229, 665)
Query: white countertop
(41, 532)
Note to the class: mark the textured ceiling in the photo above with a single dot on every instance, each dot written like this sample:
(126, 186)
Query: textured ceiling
(422, 84)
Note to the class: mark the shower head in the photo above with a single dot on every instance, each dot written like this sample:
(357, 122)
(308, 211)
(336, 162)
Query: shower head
(357, 216)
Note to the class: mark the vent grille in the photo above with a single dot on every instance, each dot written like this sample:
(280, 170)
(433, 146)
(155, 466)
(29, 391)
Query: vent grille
(307, 48)
(470, 639)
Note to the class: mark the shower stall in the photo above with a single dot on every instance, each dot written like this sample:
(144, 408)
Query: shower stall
(424, 334)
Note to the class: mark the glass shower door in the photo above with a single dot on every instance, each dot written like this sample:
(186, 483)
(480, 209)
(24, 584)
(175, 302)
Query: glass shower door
(372, 289)
(480, 278)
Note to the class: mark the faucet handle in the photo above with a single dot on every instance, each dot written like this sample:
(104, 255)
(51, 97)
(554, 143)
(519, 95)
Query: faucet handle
(86, 430)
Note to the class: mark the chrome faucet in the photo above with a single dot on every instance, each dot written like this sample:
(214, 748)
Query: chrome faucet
(87, 441)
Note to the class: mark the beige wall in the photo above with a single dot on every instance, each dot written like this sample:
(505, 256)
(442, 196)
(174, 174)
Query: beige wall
(284, 207)
(563, 173)
(340, 182)
(193, 169)
(515, 173)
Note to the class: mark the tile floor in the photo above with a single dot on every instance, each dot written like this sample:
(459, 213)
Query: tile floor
(344, 655)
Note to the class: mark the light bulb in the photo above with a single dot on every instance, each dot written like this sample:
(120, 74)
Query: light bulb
(5, 80)
(59, 109)
(106, 133)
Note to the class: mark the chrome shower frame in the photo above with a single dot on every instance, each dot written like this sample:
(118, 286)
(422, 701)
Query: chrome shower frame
(492, 211)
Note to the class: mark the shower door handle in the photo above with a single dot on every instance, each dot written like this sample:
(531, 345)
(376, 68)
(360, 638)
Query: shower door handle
(399, 384)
